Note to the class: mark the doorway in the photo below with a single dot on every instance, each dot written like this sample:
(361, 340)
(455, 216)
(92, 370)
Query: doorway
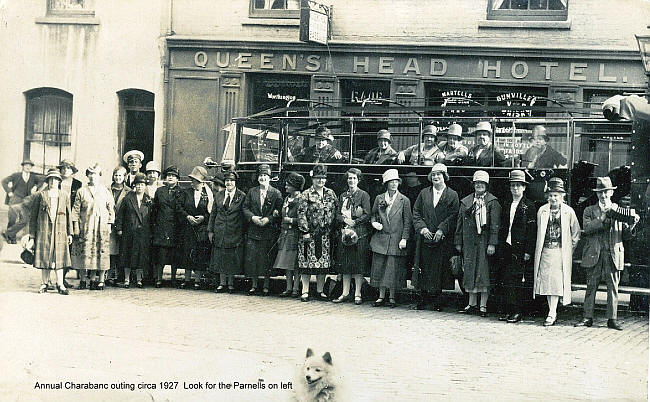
(136, 122)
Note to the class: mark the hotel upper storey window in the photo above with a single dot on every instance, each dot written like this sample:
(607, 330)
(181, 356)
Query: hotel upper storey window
(528, 10)
(275, 8)
(71, 7)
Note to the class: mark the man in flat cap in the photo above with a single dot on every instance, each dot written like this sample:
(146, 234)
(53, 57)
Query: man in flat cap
(18, 186)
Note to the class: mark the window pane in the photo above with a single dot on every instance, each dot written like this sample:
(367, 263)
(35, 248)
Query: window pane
(67, 4)
(259, 141)
(276, 4)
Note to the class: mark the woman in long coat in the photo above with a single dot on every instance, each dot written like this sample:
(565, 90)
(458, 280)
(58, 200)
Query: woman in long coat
(226, 231)
(391, 217)
(92, 216)
(316, 211)
(194, 205)
(558, 233)
(353, 217)
(119, 190)
(262, 207)
(434, 219)
(164, 226)
(134, 228)
(50, 226)
(477, 235)
(287, 258)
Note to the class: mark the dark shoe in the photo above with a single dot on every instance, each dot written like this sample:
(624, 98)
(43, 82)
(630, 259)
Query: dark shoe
(220, 289)
(82, 285)
(100, 286)
(342, 299)
(62, 291)
(613, 324)
(504, 317)
(42, 289)
(516, 317)
(93, 285)
(437, 307)
(550, 321)
(392, 303)
(252, 291)
(183, 285)
(231, 289)
(68, 285)
(379, 302)
(139, 285)
(295, 294)
(483, 312)
(585, 322)
(197, 286)
(304, 297)
(469, 310)
(158, 284)
(286, 293)
(358, 300)
(265, 292)
(127, 285)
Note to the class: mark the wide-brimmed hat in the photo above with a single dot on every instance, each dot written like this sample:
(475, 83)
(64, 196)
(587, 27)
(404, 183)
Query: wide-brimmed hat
(384, 135)
(438, 167)
(152, 166)
(323, 133)
(53, 173)
(139, 178)
(483, 126)
(94, 168)
(296, 181)
(455, 130)
(27, 162)
(390, 174)
(319, 171)
(263, 169)
(481, 175)
(430, 129)
(517, 176)
(604, 184)
(67, 163)
(132, 154)
(198, 173)
(173, 170)
(555, 184)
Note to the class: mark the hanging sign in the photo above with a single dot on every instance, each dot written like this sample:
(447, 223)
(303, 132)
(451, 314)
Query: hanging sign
(314, 22)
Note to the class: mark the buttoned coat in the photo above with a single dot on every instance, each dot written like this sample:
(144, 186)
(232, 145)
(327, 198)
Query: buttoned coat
(114, 245)
(524, 227)
(476, 264)
(94, 214)
(396, 225)
(50, 230)
(593, 227)
(15, 184)
(164, 217)
(252, 207)
(193, 237)
(570, 238)
(435, 256)
(227, 224)
(135, 225)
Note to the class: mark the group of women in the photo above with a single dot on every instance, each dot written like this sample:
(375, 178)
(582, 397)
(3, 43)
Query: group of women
(231, 233)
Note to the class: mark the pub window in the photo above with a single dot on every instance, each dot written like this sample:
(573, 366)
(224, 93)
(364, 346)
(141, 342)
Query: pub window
(71, 7)
(275, 8)
(528, 10)
(48, 127)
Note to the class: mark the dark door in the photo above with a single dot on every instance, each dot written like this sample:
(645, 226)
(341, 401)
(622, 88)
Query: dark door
(136, 107)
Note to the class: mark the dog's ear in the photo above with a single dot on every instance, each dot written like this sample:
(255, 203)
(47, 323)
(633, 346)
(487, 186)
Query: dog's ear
(309, 352)
(328, 358)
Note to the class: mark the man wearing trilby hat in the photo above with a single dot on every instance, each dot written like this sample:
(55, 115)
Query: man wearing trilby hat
(603, 253)
(133, 159)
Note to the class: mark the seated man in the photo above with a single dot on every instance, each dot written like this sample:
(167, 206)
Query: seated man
(453, 148)
(322, 151)
(540, 155)
(427, 150)
(482, 153)
(384, 154)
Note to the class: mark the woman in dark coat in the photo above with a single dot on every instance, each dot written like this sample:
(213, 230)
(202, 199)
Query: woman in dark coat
(50, 226)
(287, 258)
(262, 207)
(353, 217)
(134, 228)
(391, 218)
(164, 240)
(226, 232)
(517, 247)
(119, 190)
(434, 218)
(194, 205)
(477, 235)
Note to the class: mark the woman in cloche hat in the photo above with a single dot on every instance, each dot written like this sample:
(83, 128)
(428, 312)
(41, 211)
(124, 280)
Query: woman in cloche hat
(49, 225)
(558, 232)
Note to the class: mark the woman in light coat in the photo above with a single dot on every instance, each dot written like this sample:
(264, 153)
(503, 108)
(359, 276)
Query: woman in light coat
(92, 216)
(558, 232)
(391, 217)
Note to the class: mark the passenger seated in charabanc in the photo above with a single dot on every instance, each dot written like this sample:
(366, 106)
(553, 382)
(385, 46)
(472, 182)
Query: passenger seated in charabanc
(322, 151)
(481, 153)
(427, 150)
(383, 154)
(454, 150)
(541, 155)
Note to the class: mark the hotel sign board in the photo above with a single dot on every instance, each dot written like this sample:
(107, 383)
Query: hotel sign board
(314, 22)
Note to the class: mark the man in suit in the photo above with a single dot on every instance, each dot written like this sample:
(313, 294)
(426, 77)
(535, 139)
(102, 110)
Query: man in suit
(133, 159)
(603, 253)
(483, 153)
(18, 186)
(434, 218)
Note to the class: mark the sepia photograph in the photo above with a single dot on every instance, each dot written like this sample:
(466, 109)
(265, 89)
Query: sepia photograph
(324, 200)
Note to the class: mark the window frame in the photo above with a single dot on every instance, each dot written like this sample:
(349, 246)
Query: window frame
(526, 15)
(273, 13)
(85, 12)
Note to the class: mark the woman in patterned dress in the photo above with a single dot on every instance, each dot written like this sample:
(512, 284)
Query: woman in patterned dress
(316, 210)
